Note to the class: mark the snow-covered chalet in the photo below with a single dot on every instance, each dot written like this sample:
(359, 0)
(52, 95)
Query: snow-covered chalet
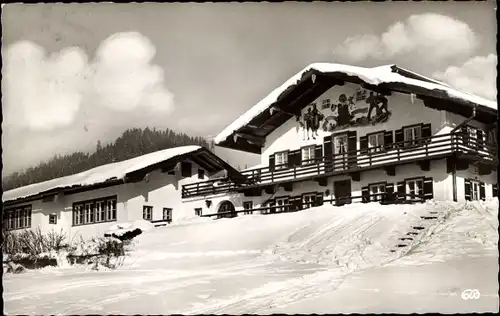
(343, 134)
(86, 204)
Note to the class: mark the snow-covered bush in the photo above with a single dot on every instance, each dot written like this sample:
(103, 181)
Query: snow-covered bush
(101, 252)
(33, 243)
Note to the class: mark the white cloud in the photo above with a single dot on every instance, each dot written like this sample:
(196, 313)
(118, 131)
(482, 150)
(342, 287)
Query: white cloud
(477, 75)
(124, 77)
(437, 36)
(47, 92)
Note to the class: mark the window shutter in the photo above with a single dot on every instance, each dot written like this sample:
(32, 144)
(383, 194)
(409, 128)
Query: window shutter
(327, 152)
(467, 189)
(428, 189)
(480, 141)
(318, 153)
(352, 147)
(398, 137)
(294, 158)
(426, 132)
(401, 191)
(271, 162)
(495, 190)
(389, 190)
(465, 135)
(482, 191)
(365, 195)
(319, 199)
(363, 144)
(388, 140)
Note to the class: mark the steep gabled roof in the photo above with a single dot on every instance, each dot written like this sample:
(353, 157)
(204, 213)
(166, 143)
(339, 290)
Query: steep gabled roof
(121, 172)
(249, 130)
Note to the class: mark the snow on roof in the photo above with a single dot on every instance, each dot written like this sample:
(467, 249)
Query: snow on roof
(374, 76)
(117, 170)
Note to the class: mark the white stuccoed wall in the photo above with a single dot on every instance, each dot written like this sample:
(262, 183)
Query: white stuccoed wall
(289, 136)
(162, 190)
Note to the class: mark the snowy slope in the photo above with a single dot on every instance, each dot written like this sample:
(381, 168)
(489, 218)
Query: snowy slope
(293, 263)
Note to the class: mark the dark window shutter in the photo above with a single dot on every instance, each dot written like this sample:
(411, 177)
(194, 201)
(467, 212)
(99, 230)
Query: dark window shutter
(388, 139)
(294, 158)
(271, 162)
(351, 141)
(482, 191)
(398, 137)
(401, 191)
(327, 153)
(363, 144)
(428, 189)
(319, 199)
(186, 169)
(465, 134)
(365, 195)
(318, 153)
(389, 190)
(480, 141)
(426, 132)
(467, 189)
(495, 190)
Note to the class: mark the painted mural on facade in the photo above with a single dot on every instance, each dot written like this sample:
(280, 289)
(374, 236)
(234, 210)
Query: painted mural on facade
(362, 108)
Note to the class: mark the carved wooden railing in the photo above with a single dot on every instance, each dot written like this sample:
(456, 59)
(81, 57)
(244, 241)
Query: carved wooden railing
(434, 147)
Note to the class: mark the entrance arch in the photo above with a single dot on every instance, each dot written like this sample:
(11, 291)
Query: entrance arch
(228, 208)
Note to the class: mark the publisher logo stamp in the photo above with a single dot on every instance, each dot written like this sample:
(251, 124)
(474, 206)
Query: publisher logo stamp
(471, 294)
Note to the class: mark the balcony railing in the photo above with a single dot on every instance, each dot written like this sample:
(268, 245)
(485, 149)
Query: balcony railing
(434, 147)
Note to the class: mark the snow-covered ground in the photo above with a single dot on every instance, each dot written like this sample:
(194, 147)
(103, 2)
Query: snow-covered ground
(322, 260)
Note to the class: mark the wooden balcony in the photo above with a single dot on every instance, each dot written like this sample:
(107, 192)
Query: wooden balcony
(354, 162)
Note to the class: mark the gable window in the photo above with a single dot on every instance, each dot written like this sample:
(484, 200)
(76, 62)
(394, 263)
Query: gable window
(94, 211)
(325, 104)
(248, 207)
(201, 174)
(17, 218)
(167, 214)
(281, 160)
(147, 212)
(412, 135)
(186, 169)
(52, 219)
(308, 155)
(282, 204)
(414, 189)
(308, 200)
(376, 142)
(197, 211)
(376, 191)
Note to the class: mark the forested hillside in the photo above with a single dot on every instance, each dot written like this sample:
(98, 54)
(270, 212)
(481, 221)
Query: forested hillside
(132, 143)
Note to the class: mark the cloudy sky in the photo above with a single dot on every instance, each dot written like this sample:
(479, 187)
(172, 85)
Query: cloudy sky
(75, 74)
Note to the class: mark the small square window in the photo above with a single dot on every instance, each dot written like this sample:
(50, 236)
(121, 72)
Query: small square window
(201, 174)
(248, 206)
(197, 211)
(53, 219)
(147, 213)
(167, 214)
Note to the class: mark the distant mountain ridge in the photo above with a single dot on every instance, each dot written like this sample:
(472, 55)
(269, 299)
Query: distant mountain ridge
(132, 143)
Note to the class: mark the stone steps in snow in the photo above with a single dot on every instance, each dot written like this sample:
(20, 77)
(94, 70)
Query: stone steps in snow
(428, 217)
(401, 245)
(418, 227)
(433, 212)
(412, 233)
(405, 238)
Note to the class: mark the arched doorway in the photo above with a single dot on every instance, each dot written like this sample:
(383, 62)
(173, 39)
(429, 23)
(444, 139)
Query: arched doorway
(227, 208)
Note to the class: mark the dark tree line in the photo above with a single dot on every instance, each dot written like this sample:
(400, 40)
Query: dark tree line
(132, 143)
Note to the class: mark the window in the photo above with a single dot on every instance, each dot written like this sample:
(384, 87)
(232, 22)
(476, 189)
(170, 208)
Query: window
(474, 190)
(414, 189)
(147, 212)
(186, 169)
(17, 218)
(308, 200)
(248, 206)
(411, 135)
(197, 211)
(167, 214)
(340, 144)
(94, 211)
(376, 191)
(52, 219)
(308, 155)
(201, 174)
(281, 160)
(282, 204)
(325, 104)
(376, 142)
